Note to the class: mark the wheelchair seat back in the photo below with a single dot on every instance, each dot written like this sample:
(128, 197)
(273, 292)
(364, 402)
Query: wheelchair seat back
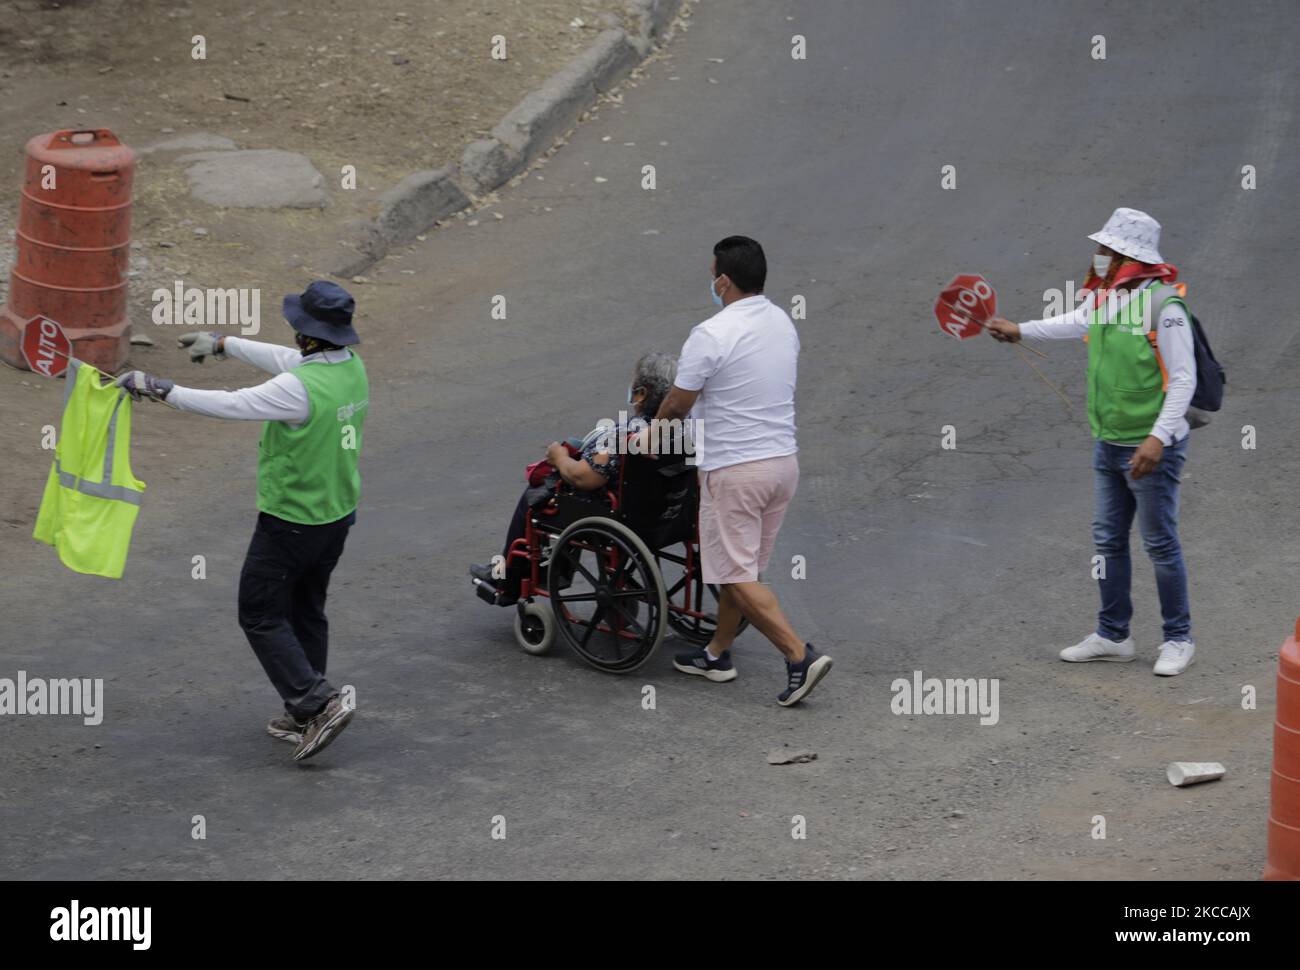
(660, 499)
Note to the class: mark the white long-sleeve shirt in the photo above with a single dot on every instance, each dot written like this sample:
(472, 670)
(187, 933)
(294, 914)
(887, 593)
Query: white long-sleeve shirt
(1173, 337)
(282, 398)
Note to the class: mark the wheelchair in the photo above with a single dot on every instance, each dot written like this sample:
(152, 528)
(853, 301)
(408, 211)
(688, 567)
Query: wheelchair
(611, 571)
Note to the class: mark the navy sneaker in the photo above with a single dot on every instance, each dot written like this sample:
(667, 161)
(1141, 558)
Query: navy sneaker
(803, 677)
(699, 662)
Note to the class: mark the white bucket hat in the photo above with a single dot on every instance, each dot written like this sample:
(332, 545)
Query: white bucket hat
(1133, 233)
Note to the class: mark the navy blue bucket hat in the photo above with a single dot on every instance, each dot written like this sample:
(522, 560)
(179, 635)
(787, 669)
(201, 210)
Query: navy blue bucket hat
(324, 311)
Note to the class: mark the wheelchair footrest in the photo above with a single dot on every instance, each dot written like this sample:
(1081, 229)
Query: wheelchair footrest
(486, 591)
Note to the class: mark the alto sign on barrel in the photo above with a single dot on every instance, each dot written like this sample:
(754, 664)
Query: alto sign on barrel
(45, 346)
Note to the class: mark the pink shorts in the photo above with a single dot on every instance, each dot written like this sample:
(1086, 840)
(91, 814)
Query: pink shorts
(741, 508)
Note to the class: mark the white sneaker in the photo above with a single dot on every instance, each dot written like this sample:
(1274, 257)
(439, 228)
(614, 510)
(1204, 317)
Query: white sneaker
(1097, 647)
(1175, 657)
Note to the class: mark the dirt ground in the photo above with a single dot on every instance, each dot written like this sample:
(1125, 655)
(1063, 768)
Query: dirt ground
(389, 86)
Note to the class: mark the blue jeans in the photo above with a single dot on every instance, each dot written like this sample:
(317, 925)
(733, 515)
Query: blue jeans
(1154, 499)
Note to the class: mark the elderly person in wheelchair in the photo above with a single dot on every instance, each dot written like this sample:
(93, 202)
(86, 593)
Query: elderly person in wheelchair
(587, 466)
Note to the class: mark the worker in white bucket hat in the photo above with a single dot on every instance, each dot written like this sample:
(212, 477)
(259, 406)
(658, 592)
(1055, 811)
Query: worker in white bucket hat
(1139, 391)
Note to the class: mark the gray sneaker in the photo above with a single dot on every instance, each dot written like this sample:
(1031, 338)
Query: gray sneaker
(286, 728)
(324, 728)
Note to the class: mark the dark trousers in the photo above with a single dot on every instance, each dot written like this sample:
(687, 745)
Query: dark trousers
(516, 569)
(282, 606)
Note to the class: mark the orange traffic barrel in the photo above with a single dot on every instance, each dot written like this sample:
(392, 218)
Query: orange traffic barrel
(1284, 813)
(73, 245)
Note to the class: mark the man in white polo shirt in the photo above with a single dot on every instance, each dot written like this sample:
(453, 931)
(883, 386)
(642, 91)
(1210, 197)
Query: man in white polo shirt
(736, 377)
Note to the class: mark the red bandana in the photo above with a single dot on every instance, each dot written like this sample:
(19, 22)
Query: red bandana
(1130, 270)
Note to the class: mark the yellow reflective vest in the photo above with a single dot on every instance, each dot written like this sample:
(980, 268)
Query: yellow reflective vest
(91, 498)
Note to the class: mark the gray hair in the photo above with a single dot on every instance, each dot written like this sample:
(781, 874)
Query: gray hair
(654, 373)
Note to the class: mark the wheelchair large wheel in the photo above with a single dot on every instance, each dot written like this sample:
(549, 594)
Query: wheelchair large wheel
(692, 613)
(607, 594)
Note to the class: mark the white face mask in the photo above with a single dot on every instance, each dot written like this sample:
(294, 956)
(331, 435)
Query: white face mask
(1101, 265)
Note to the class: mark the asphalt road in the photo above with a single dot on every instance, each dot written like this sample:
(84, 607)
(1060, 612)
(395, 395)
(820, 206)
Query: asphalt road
(970, 562)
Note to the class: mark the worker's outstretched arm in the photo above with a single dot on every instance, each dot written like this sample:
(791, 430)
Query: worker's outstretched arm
(271, 358)
(1063, 326)
(282, 398)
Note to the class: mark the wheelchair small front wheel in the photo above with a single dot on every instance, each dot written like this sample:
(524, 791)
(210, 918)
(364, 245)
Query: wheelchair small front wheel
(535, 627)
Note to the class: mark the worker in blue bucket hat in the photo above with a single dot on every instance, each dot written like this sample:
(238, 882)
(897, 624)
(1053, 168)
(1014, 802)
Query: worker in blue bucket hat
(308, 484)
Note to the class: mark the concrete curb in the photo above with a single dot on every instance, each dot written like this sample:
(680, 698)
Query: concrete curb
(406, 210)
(655, 16)
(526, 133)
(532, 126)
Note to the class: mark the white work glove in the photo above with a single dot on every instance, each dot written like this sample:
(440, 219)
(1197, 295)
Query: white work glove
(202, 344)
(141, 385)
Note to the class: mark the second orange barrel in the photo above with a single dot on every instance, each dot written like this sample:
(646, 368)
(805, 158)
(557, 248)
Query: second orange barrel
(1284, 812)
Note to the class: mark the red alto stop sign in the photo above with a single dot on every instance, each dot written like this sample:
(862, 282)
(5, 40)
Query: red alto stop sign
(965, 305)
(45, 347)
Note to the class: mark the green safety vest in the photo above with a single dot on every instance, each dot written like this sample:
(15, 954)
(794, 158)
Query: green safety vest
(1126, 379)
(309, 474)
(91, 498)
